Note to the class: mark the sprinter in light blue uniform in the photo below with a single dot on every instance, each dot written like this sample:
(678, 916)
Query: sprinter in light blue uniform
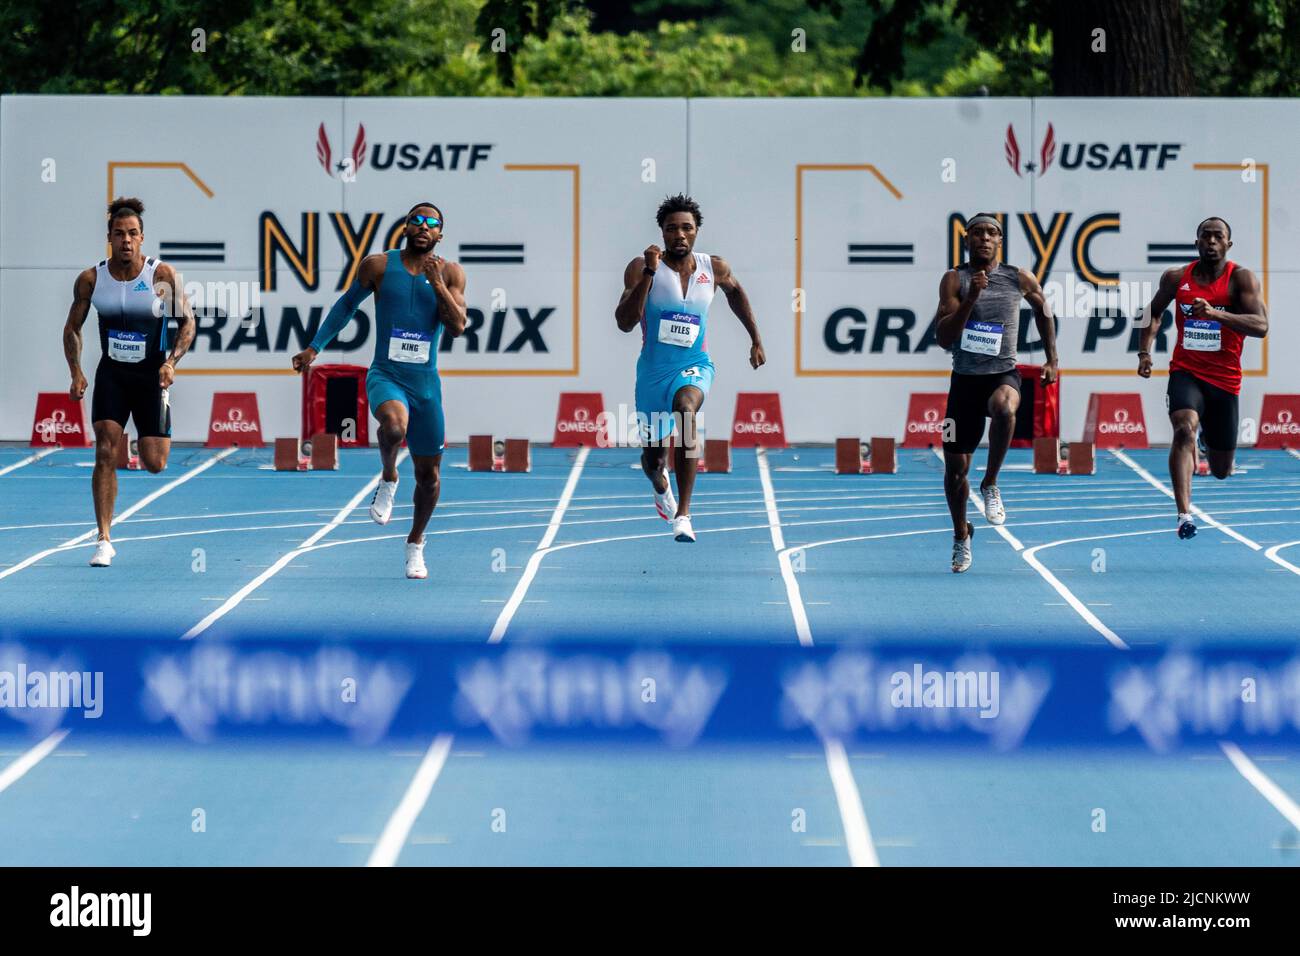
(666, 293)
(418, 294)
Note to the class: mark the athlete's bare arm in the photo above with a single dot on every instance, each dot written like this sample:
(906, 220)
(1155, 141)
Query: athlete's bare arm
(953, 309)
(82, 290)
(1046, 322)
(1250, 316)
(369, 276)
(726, 280)
(636, 288)
(1153, 316)
(448, 281)
(171, 289)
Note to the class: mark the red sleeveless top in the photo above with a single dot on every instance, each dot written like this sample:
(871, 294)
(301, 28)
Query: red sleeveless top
(1206, 349)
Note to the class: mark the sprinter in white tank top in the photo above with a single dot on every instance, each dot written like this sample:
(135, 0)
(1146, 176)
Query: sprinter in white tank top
(666, 293)
(133, 295)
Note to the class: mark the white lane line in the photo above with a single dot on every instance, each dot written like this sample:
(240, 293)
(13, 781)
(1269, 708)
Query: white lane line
(857, 833)
(142, 503)
(797, 609)
(978, 502)
(28, 460)
(27, 761)
(1272, 555)
(543, 548)
(1270, 791)
(398, 827)
(1164, 489)
(1293, 453)
(235, 599)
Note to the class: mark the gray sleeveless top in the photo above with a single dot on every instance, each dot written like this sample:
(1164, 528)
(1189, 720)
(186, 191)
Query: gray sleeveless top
(987, 345)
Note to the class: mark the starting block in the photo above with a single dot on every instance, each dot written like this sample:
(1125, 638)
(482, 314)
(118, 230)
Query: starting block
(716, 459)
(128, 453)
(509, 454)
(319, 454)
(856, 457)
(1081, 458)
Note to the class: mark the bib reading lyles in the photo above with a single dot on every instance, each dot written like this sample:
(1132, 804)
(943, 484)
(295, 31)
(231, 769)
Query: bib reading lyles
(126, 346)
(406, 345)
(679, 328)
(982, 338)
(1202, 335)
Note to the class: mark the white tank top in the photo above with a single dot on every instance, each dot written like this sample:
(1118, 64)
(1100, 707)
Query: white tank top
(132, 322)
(673, 326)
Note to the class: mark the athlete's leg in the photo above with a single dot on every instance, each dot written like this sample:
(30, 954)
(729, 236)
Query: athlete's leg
(686, 403)
(154, 452)
(103, 481)
(1182, 456)
(654, 459)
(1219, 424)
(393, 418)
(956, 487)
(427, 487)
(1002, 407)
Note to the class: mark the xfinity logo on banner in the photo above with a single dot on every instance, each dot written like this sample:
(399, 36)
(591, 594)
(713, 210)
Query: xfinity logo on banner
(55, 425)
(528, 690)
(1121, 425)
(1095, 156)
(234, 422)
(403, 156)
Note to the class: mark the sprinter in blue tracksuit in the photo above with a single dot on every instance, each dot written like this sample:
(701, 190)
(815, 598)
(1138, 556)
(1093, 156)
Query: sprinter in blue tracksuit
(417, 295)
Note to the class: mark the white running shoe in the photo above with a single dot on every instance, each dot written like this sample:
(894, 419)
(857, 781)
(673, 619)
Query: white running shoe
(665, 503)
(104, 553)
(994, 512)
(415, 561)
(381, 505)
(961, 551)
(682, 529)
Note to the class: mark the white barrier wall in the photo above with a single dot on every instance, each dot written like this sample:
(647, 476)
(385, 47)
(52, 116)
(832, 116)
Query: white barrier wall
(856, 202)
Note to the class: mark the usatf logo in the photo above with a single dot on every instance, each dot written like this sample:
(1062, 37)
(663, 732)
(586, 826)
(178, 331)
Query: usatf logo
(1046, 154)
(403, 156)
(1094, 156)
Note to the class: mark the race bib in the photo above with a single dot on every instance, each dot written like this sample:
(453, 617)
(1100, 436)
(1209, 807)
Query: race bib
(407, 346)
(679, 328)
(126, 346)
(1201, 335)
(982, 338)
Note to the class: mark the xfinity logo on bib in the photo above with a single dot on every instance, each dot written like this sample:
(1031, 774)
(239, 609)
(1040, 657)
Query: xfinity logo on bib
(1094, 156)
(403, 156)
(1121, 425)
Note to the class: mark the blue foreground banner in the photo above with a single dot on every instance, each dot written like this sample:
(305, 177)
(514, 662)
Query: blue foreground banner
(679, 695)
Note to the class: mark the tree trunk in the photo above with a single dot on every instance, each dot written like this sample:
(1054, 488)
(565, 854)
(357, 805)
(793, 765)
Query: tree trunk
(1145, 48)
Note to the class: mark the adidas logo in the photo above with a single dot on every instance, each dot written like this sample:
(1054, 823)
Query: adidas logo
(703, 278)
(141, 286)
(1185, 288)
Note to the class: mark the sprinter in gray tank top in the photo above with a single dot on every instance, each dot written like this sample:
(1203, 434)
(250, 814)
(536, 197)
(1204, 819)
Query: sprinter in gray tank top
(979, 321)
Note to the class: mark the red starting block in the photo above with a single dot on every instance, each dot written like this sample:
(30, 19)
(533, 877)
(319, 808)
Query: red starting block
(288, 455)
(495, 454)
(856, 457)
(128, 453)
(517, 457)
(715, 461)
(324, 452)
(1081, 457)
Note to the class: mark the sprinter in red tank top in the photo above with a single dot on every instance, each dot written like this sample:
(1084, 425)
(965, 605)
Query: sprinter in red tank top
(1217, 304)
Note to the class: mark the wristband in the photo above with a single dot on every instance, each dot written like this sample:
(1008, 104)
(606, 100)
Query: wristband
(647, 271)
